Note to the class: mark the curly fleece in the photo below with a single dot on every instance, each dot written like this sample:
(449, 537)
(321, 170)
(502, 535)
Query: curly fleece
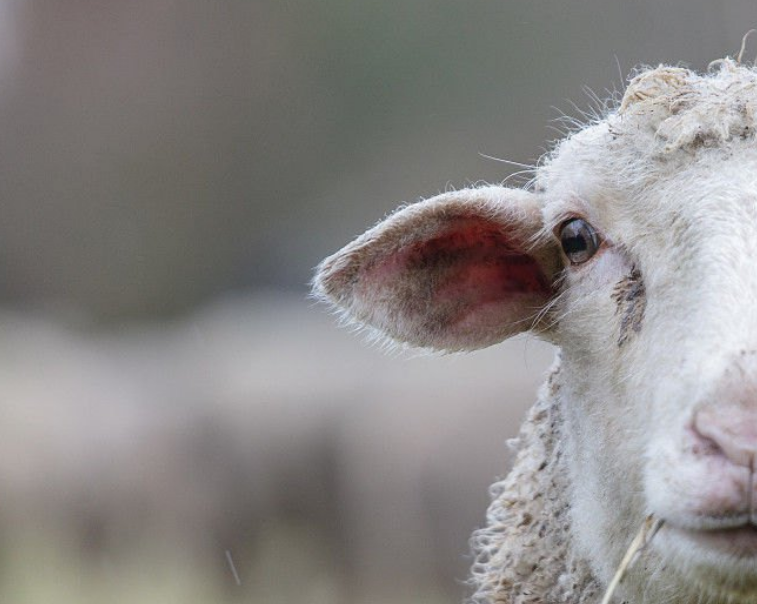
(524, 554)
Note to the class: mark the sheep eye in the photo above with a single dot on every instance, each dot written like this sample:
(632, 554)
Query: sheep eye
(579, 240)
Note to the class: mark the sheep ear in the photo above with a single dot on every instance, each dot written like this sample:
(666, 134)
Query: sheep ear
(459, 271)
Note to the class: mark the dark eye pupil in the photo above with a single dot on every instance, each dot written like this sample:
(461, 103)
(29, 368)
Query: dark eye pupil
(574, 244)
(579, 240)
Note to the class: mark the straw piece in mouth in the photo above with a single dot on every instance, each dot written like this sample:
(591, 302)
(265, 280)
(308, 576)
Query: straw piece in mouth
(648, 530)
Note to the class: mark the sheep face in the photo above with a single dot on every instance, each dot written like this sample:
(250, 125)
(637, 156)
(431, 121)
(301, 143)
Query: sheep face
(659, 334)
(633, 253)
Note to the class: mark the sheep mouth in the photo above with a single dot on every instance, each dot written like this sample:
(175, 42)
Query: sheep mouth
(734, 539)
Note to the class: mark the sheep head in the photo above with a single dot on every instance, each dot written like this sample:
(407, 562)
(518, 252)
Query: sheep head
(634, 252)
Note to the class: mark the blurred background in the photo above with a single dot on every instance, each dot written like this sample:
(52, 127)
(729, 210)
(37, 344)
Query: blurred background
(178, 422)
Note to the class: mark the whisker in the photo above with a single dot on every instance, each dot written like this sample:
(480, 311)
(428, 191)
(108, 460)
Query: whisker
(517, 164)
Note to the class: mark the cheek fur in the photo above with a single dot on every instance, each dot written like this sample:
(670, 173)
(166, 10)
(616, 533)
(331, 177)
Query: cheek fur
(601, 293)
(630, 296)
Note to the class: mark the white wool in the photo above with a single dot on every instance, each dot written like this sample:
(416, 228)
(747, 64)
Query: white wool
(685, 109)
(524, 555)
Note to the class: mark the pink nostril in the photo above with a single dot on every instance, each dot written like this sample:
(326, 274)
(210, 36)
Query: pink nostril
(730, 430)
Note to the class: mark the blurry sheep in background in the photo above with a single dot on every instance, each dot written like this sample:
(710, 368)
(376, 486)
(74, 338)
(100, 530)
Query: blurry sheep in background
(163, 437)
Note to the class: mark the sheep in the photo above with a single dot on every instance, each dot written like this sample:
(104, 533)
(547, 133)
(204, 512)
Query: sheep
(631, 250)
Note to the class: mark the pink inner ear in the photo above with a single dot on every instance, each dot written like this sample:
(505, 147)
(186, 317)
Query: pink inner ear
(478, 262)
(472, 276)
(469, 282)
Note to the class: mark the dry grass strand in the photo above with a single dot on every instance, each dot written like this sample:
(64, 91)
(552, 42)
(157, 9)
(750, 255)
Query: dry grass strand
(648, 530)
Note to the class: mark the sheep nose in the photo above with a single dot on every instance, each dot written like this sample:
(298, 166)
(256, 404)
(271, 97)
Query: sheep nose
(729, 430)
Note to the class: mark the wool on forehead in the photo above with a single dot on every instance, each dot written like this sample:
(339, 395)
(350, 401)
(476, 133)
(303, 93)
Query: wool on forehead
(685, 110)
(668, 119)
